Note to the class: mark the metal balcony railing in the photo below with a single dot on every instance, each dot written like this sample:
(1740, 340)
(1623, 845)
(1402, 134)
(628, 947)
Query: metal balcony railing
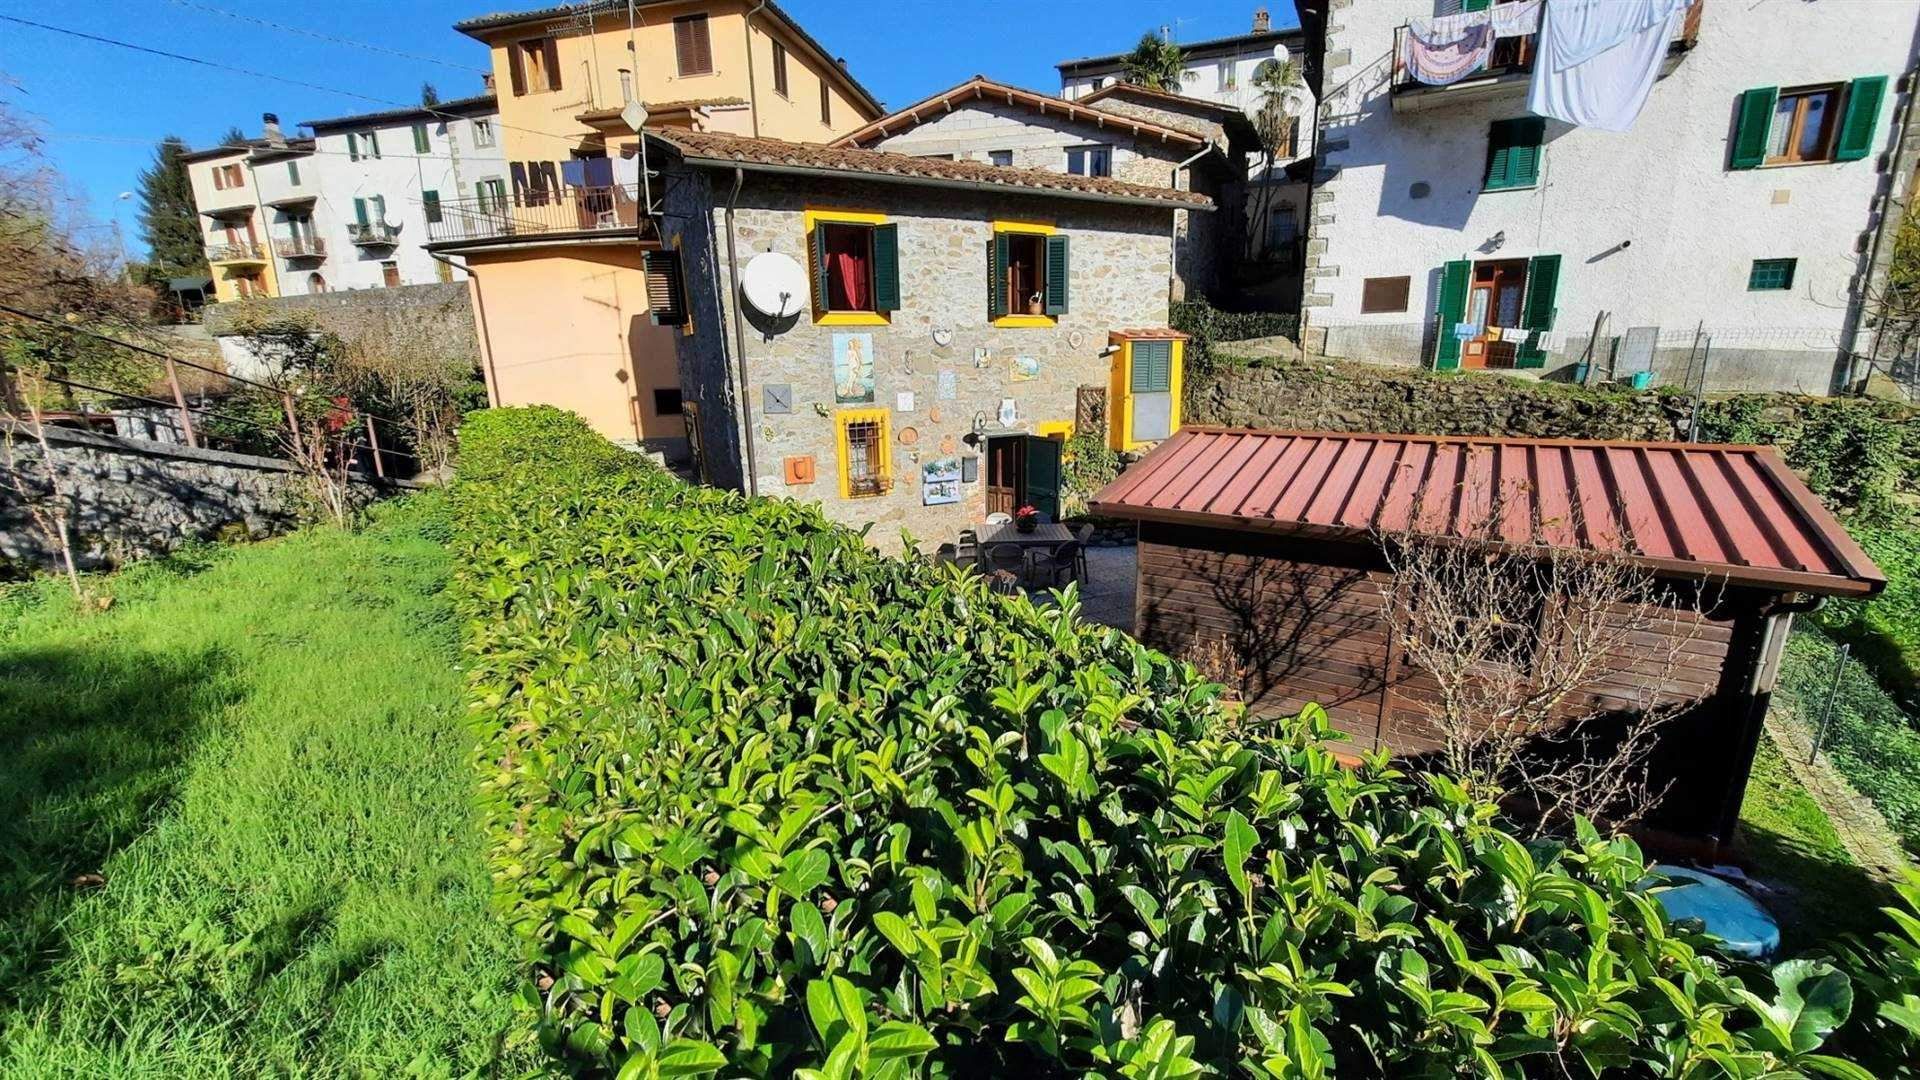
(300, 247)
(245, 251)
(373, 233)
(1514, 55)
(537, 214)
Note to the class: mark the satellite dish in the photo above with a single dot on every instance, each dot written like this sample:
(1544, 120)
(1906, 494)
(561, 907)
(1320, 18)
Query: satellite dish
(774, 284)
(1280, 51)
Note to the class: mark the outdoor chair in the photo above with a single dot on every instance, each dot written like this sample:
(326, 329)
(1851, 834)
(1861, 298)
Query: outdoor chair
(967, 551)
(1007, 557)
(1062, 562)
(1004, 582)
(1084, 534)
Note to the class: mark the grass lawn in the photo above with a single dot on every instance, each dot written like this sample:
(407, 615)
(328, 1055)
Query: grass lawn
(261, 752)
(1885, 631)
(1787, 838)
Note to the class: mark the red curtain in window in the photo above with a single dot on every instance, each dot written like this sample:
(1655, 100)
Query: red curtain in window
(848, 279)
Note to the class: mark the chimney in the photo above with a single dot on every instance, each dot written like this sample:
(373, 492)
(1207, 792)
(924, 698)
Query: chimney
(1261, 21)
(270, 128)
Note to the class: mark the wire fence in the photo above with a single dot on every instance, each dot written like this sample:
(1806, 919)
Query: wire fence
(203, 419)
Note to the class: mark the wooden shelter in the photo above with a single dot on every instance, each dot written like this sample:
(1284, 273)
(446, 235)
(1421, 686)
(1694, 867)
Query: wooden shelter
(1271, 542)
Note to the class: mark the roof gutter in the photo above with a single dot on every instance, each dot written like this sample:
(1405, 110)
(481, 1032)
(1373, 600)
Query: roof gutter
(938, 182)
(740, 336)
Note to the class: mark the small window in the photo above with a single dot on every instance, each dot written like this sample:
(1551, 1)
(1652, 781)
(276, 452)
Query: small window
(865, 464)
(1513, 153)
(1802, 126)
(1027, 273)
(1026, 260)
(780, 69)
(692, 45)
(390, 274)
(856, 269)
(430, 201)
(483, 133)
(293, 173)
(666, 291)
(1770, 275)
(935, 157)
(826, 103)
(422, 142)
(316, 283)
(1381, 294)
(365, 144)
(535, 65)
(1090, 160)
(1000, 157)
(666, 401)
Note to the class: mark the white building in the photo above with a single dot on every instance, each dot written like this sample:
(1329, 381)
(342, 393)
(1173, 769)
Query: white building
(383, 178)
(240, 191)
(1452, 229)
(1220, 70)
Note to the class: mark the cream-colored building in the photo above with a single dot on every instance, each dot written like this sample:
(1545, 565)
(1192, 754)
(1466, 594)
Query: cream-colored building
(235, 215)
(557, 255)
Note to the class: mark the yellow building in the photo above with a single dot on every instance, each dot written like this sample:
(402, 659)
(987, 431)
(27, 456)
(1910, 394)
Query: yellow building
(233, 223)
(558, 257)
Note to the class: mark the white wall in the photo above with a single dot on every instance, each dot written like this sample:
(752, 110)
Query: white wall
(274, 182)
(971, 131)
(1694, 226)
(1202, 79)
(452, 165)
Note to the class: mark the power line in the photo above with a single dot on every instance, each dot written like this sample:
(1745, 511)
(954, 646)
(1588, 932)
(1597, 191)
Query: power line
(331, 38)
(218, 66)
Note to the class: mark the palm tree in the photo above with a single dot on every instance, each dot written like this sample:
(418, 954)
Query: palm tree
(1276, 82)
(1154, 63)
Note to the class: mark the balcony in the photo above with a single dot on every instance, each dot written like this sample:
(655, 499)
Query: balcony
(244, 251)
(537, 215)
(300, 247)
(373, 234)
(1509, 69)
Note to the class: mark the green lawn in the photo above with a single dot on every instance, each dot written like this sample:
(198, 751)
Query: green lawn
(261, 750)
(1885, 631)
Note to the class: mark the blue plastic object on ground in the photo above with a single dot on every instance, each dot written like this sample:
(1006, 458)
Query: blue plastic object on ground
(1728, 913)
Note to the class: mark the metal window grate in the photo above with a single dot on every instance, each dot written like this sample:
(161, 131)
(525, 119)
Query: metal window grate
(1770, 274)
(866, 458)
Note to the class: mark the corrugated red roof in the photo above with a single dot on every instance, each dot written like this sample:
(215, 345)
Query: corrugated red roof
(1699, 510)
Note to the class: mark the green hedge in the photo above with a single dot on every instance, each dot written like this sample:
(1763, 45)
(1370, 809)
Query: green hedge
(1861, 455)
(763, 801)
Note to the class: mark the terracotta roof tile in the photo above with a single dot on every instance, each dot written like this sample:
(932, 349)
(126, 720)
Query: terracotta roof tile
(731, 149)
(981, 88)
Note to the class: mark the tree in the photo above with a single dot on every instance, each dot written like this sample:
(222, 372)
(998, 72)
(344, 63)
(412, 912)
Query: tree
(168, 222)
(1277, 83)
(234, 137)
(429, 96)
(1154, 63)
(1509, 654)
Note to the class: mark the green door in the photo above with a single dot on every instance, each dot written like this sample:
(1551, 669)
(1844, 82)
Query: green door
(1043, 476)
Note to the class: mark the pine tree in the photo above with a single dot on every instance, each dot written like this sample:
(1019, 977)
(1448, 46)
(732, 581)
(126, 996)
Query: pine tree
(167, 216)
(429, 96)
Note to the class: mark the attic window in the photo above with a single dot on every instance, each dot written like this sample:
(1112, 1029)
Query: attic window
(1090, 160)
(535, 65)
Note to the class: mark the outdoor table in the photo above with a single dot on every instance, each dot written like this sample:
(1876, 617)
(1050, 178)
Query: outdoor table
(1042, 536)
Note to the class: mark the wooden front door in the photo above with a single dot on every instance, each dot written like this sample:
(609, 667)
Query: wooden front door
(1006, 473)
(1493, 305)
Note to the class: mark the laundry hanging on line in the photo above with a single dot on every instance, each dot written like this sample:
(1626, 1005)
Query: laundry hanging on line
(1444, 50)
(1596, 60)
(1515, 20)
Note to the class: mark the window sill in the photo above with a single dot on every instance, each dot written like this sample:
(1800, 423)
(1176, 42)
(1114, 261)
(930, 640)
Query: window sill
(1794, 164)
(1026, 320)
(852, 318)
(1512, 187)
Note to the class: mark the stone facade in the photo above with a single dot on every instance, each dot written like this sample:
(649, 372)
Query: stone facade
(135, 498)
(928, 348)
(1329, 396)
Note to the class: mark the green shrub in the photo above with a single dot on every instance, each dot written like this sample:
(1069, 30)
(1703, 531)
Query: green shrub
(1207, 326)
(1859, 454)
(1873, 743)
(765, 802)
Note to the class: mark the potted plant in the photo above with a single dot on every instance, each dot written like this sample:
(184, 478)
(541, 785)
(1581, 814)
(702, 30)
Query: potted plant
(1025, 519)
(1036, 305)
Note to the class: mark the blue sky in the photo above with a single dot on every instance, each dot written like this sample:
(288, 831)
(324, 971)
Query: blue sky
(104, 107)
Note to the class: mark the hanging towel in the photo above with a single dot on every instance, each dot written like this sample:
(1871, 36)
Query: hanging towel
(1516, 19)
(1598, 59)
(1447, 49)
(573, 173)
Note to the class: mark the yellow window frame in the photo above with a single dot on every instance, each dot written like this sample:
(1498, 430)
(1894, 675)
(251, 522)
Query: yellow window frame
(824, 215)
(1120, 396)
(1030, 228)
(843, 448)
(1055, 429)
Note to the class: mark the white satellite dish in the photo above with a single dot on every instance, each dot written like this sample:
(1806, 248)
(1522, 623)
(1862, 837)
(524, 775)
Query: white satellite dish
(774, 284)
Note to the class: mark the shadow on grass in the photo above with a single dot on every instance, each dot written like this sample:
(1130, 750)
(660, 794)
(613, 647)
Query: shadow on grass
(92, 745)
(1816, 897)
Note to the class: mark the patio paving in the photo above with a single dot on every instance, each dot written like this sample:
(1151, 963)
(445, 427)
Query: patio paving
(1106, 596)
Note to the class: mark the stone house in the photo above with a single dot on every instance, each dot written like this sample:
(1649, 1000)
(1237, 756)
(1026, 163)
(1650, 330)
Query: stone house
(1750, 195)
(1159, 140)
(953, 319)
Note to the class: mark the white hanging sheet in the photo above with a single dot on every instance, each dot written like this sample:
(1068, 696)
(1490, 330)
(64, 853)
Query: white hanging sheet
(1597, 59)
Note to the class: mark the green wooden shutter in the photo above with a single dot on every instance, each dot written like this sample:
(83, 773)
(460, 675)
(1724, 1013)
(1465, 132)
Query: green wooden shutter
(997, 276)
(1454, 278)
(1860, 121)
(1475, 5)
(1043, 475)
(373, 144)
(420, 144)
(1751, 126)
(1056, 275)
(353, 147)
(360, 211)
(430, 201)
(819, 243)
(886, 267)
(1152, 367)
(1537, 314)
(1513, 152)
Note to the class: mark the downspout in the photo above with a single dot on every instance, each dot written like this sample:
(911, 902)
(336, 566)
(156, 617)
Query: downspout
(740, 335)
(753, 92)
(1173, 233)
(480, 318)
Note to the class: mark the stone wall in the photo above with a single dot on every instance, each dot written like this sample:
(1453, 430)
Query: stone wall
(135, 498)
(442, 310)
(928, 348)
(1331, 396)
